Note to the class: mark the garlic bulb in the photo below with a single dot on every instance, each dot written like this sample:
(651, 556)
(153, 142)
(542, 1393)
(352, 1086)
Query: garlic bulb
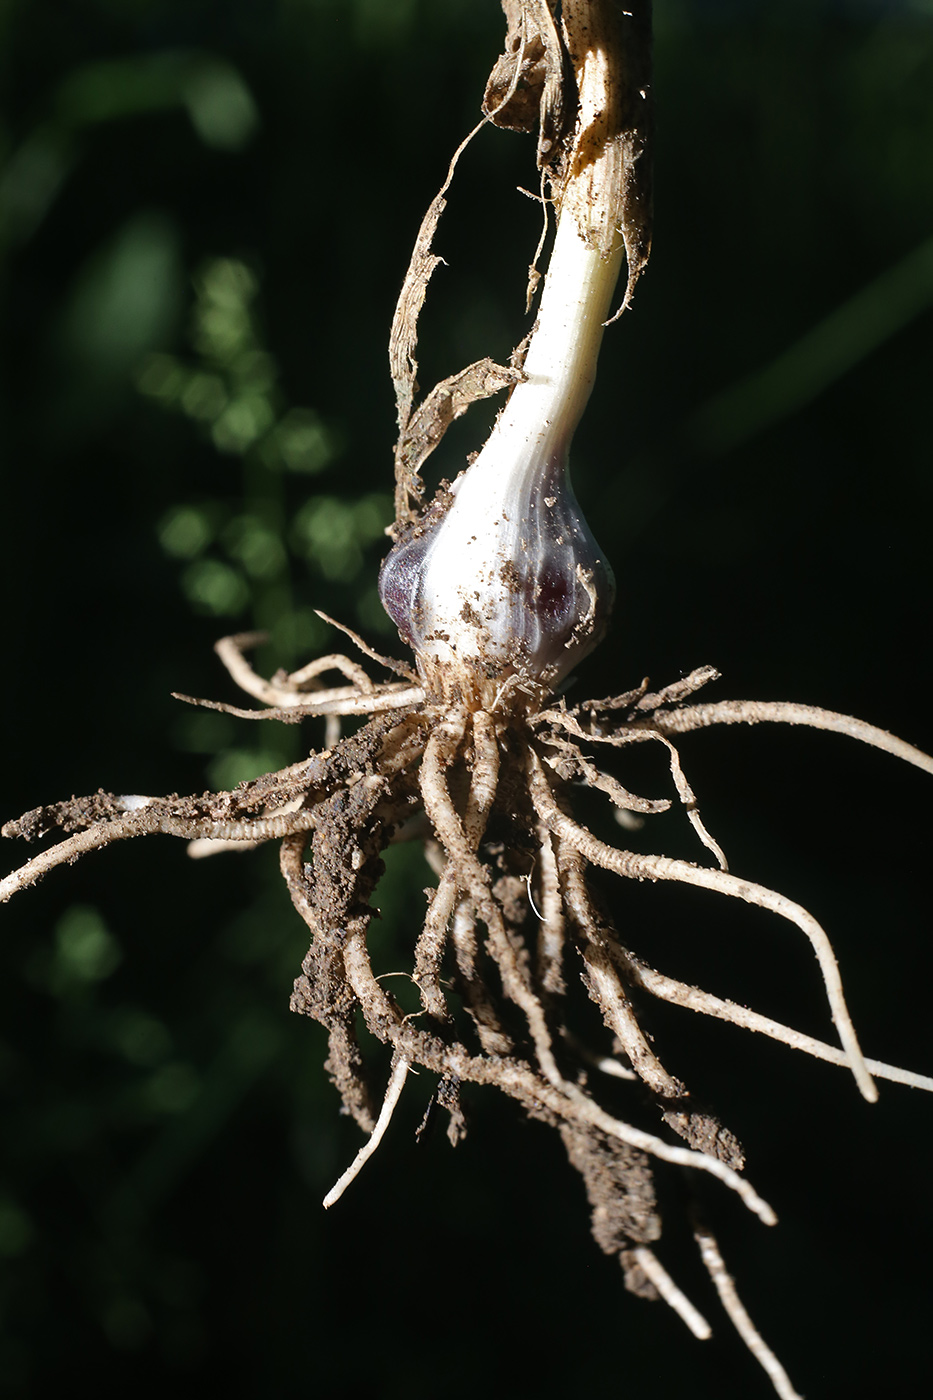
(502, 576)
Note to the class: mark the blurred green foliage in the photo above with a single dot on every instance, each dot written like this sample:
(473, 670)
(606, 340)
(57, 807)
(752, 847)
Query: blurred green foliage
(206, 209)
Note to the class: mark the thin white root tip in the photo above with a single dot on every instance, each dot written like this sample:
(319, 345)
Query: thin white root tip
(393, 1093)
(614, 1068)
(709, 1252)
(679, 1156)
(654, 1270)
(679, 994)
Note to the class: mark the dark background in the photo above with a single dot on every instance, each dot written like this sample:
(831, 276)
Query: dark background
(206, 210)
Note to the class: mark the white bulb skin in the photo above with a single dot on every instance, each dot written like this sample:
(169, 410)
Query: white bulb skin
(502, 582)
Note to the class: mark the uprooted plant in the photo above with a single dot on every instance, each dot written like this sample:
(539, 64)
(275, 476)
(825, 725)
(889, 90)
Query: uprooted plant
(499, 588)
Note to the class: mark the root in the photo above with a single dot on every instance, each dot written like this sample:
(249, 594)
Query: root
(430, 947)
(399, 668)
(572, 763)
(489, 792)
(287, 803)
(584, 1110)
(690, 717)
(342, 700)
(679, 994)
(732, 1303)
(432, 942)
(564, 1102)
(656, 1273)
(551, 916)
(603, 982)
(473, 877)
(393, 1094)
(287, 689)
(689, 803)
(604, 1063)
(479, 1004)
(639, 867)
(148, 822)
